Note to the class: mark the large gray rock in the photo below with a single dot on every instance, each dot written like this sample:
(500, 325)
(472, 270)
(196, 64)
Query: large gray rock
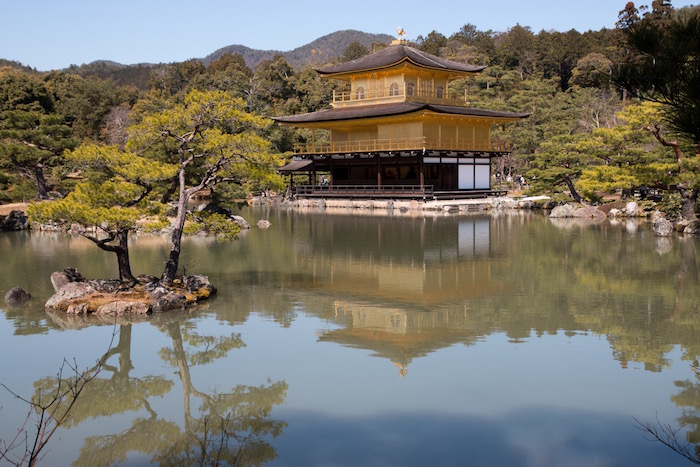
(565, 210)
(61, 278)
(69, 293)
(693, 228)
(589, 213)
(161, 302)
(631, 209)
(662, 227)
(16, 220)
(16, 296)
(504, 203)
(200, 285)
(656, 214)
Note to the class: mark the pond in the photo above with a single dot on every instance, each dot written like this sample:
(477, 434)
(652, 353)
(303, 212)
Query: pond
(338, 339)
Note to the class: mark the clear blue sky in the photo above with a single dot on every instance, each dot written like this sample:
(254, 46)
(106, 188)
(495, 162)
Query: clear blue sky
(53, 34)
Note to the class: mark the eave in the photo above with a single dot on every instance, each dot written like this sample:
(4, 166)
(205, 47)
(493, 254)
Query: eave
(371, 112)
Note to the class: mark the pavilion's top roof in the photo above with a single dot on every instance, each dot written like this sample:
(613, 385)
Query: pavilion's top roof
(396, 54)
(398, 108)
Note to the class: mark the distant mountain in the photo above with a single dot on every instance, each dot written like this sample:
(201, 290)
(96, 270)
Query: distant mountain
(319, 51)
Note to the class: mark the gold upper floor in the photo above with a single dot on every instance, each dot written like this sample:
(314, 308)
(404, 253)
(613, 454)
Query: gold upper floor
(395, 92)
(403, 84)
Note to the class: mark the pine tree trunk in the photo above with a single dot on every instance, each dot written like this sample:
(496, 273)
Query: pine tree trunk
(171, 266)
(572, 189)
(42, 191)
(122, 252)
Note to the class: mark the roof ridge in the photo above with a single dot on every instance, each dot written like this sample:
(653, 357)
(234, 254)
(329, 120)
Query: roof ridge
(428, 56)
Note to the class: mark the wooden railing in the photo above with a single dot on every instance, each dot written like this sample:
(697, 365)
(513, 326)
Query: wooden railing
(365, 191)
(404, 92)
(401, 144)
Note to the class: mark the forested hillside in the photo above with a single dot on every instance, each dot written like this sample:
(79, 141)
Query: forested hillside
(593, 130)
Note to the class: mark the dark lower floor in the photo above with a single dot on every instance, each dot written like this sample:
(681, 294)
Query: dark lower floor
(387, 175)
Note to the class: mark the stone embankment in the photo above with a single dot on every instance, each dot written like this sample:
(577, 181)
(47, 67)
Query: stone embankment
(407, 207)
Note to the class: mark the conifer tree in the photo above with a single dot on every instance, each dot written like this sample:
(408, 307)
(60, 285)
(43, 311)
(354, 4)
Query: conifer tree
(109, 202)
(211, 139)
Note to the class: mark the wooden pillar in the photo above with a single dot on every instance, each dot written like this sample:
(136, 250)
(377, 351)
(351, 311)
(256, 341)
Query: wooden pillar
(379, 172)
(421, 175)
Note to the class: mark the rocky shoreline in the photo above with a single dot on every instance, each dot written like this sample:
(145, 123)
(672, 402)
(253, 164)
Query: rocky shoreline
(77, 295)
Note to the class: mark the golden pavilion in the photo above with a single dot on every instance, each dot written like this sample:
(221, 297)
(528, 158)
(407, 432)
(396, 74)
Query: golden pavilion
(395, 132)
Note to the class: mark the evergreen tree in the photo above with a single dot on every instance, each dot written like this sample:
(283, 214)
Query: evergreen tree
(665, 68)
(107, 204)
(32, 135)
(211, 139)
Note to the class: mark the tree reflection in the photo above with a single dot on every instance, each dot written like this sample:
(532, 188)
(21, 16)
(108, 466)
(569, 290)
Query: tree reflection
(688, 399)
(231, 426)
(117, 394)
(227, 428)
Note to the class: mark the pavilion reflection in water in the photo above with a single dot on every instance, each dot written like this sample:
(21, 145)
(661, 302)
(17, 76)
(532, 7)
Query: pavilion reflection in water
(406, 305)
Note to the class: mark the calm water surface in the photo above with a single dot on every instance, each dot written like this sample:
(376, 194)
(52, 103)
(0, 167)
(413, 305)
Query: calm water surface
(374, 340)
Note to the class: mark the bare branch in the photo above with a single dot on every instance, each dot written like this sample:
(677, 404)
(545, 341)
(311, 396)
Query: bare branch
(669, 436)
(51, 415)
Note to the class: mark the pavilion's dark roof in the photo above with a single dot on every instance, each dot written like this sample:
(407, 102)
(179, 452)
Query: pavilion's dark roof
(395, 54)
(384, 110)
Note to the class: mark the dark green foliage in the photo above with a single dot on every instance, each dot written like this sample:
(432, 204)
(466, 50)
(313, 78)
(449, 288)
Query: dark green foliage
(17, 65)
(137, 76)
(353, 51)
(271, 86)
(176, 78)
(21, 91)
(83, 103)
(664, 67)
(33, 135)
(432, 43)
